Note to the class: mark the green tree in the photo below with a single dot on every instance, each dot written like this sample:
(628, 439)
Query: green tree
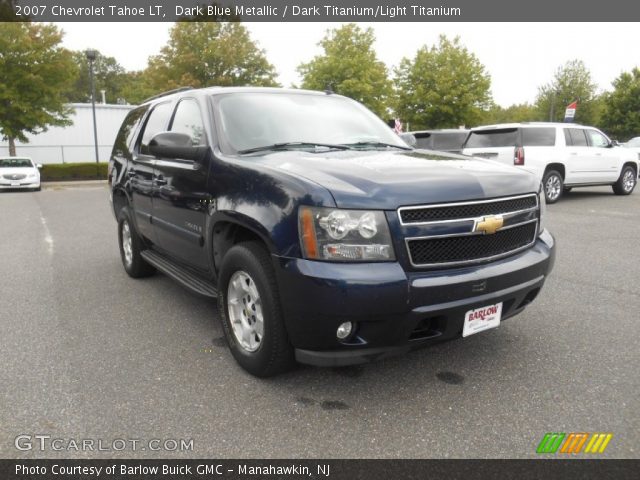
(621, 116)
(571, 82)
(442, 87)
(202, 54)
(35, 74)
(110, 76)
(523, 112)
(349, 66)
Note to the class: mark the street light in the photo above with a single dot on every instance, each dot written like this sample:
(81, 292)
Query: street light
(91, 56)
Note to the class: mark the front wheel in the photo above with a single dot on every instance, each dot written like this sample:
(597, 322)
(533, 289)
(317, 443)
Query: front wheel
(130, 247)
(249, 306)
(552, 184)
(626, 183)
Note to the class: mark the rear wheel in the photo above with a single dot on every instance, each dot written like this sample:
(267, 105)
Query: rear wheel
(627, 181)
(249, 306)
(553, 186)
(131, 246)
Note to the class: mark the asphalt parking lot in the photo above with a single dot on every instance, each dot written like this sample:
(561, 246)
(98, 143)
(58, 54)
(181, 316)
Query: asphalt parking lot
(88, 352)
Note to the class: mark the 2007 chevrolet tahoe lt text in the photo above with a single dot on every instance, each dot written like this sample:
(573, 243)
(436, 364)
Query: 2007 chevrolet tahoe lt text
(324, 237)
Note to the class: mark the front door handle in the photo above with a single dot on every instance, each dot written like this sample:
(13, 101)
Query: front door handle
(160, 181)
(131, 172)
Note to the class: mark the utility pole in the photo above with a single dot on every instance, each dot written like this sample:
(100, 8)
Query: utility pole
(91, 57)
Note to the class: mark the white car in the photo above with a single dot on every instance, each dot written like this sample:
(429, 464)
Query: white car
(633, 145)
(19, 173)
(562, 155)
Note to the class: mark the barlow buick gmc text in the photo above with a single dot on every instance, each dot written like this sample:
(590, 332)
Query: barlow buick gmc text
(325, 238)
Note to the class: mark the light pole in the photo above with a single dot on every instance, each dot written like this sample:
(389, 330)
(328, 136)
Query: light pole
(91, 56)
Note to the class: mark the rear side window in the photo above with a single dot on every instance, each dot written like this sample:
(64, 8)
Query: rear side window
(577, 136)
(504, 137)
(188, 120)
(156, 123)
(538, 137)
(124, 140)
(449, 140)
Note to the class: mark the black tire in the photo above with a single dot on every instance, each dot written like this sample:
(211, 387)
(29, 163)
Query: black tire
(627, 181)
(136, 267)
(552, 185)
(273, 353)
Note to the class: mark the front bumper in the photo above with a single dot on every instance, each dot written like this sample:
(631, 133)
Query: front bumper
(397, 310)
(21, 185)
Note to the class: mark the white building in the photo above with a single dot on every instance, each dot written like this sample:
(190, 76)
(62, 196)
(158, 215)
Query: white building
(74, 144)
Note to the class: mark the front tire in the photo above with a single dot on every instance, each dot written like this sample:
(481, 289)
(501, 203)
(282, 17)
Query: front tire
(249, 305)
(627, 181)
(131, 246)
(553, 184)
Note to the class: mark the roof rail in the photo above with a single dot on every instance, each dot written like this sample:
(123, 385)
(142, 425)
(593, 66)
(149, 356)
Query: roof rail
(168, 92)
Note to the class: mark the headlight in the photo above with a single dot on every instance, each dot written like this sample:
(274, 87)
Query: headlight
(333, 234)
(543, 210)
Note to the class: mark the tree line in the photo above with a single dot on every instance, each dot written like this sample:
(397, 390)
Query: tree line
(441, 86)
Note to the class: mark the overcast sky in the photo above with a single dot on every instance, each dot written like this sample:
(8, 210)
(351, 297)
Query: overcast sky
(518, 56)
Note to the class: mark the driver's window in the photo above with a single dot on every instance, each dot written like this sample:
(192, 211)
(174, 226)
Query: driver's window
(596, 139)
(188, 120)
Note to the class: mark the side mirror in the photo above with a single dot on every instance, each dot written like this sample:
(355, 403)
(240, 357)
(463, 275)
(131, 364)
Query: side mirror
(409, 139)
(615, 143)
(39, 166)
(176, 146)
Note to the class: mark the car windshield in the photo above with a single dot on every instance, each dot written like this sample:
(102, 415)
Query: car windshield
(633, 143)
(15, 162)
(264, 121)
(504, 137)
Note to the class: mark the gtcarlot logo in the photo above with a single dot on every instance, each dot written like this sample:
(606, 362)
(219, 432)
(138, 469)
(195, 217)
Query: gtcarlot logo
(47, 443)
(574, 442)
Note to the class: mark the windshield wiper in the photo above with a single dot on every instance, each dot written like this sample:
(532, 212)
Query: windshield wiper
(375, 144)
(293, 146)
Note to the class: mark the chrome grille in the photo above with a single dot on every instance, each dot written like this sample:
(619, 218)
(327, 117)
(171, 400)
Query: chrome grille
(15, 176)
(452, 234)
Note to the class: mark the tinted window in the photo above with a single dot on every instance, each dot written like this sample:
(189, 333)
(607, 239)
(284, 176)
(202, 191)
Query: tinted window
(505, 137)
(578, 139)
(538, 137)
(156, 123)
(188, 120)
(15, 162)
(596, 139)
(252, 120)
(127, 132)
(449, 140)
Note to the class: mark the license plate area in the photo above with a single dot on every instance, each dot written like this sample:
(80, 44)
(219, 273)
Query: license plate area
(481, 319)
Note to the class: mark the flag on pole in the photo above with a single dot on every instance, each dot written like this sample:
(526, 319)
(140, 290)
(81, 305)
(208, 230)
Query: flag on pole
(397, 126)
(570, 112)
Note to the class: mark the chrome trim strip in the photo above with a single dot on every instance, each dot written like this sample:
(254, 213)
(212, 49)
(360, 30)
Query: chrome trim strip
(467, 234)
(456, 204)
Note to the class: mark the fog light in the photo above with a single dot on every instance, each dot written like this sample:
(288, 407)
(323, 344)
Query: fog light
(344, 330)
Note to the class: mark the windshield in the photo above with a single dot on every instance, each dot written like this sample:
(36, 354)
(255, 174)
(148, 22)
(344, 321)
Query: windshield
(505, 137)
(15, 162)
(634, 142)
(254, 120)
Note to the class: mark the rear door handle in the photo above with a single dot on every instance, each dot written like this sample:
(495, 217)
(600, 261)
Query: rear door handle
(131, 172)
(160, 181)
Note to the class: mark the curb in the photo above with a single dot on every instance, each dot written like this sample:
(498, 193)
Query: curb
(74, 183)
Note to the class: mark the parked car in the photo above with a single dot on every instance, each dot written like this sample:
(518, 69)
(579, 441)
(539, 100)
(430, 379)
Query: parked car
(19, 173)
(448, 140)
(562, 155)
(633, 145)
(324, 237)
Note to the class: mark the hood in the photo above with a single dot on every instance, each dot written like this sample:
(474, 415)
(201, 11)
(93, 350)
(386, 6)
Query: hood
(17, 171)
(387, 180)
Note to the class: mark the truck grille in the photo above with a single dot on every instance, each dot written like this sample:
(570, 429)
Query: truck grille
(471, 247)
(411, 215)
(459, 233)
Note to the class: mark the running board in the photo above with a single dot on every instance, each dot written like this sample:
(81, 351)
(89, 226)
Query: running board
(180, 274)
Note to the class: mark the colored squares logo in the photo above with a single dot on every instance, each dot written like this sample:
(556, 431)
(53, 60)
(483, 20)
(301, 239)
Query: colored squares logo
(574, 443)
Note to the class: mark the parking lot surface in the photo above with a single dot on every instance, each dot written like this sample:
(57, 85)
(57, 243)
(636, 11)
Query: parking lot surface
(88, 353)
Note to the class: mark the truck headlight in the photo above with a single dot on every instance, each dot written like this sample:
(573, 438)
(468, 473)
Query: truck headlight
(542, 210)
(338, 235)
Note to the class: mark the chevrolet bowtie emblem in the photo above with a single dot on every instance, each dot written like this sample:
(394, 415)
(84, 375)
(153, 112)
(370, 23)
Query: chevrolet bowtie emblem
(489, 225)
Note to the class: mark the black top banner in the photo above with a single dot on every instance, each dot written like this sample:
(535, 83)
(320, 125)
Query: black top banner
(320, 10)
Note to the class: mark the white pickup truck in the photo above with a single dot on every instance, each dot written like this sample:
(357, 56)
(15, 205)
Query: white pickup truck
(562, 155)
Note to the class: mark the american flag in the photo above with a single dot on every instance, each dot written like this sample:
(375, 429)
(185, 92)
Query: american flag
(398, 126)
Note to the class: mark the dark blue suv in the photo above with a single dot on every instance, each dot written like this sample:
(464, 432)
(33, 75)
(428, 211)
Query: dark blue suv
(324, 237)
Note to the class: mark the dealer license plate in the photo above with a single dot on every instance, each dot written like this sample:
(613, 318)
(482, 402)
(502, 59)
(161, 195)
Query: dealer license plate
(482, 319)
(15, 184)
